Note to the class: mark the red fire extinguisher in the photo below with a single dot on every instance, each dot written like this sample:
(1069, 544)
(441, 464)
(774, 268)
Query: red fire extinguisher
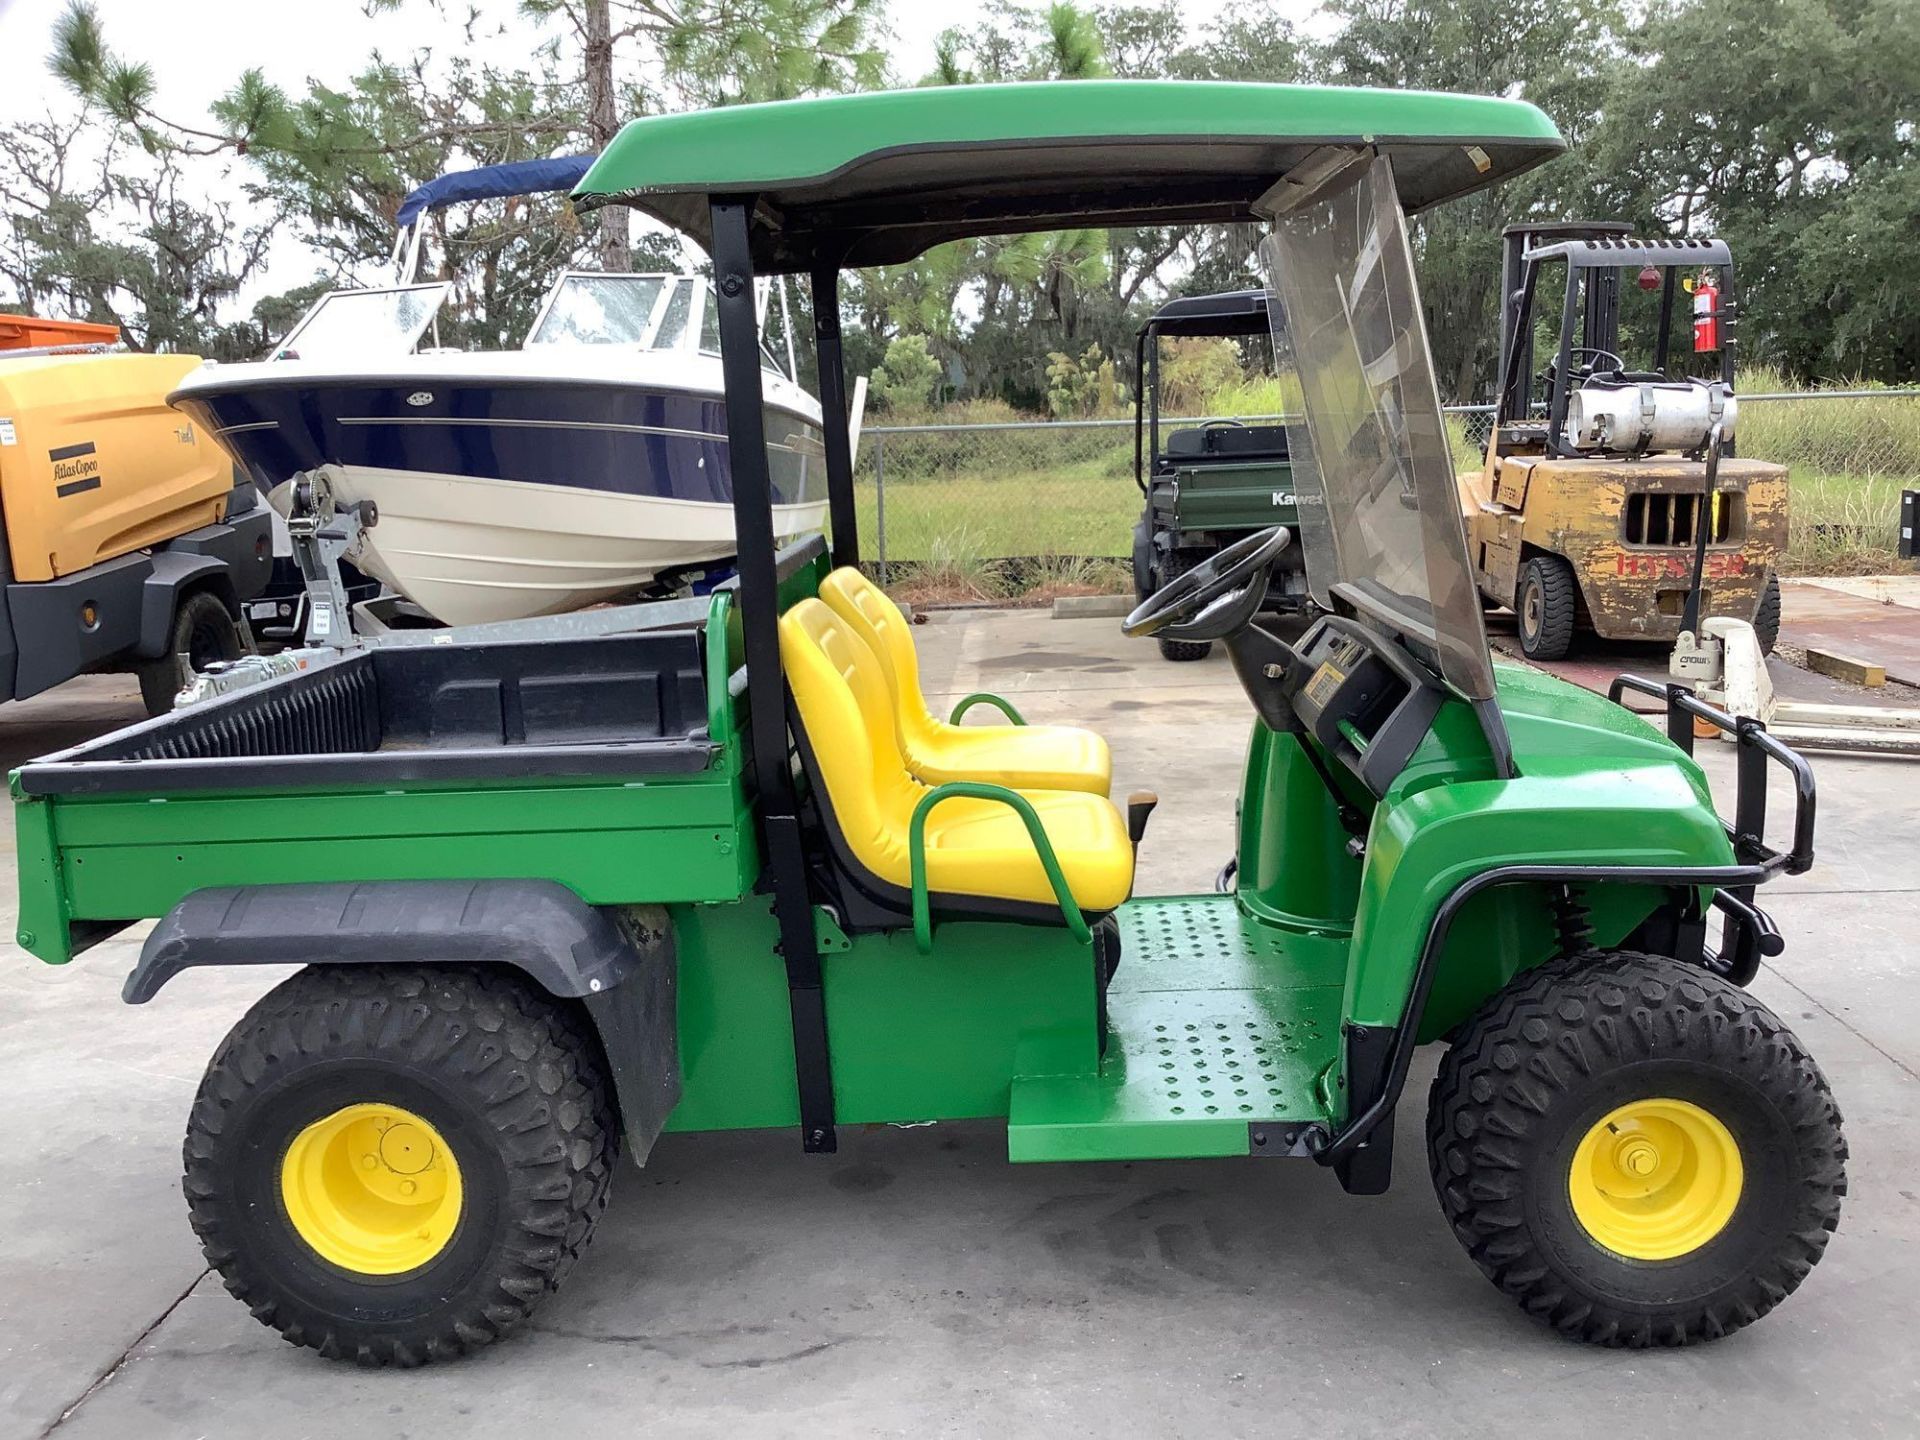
(1706, 315)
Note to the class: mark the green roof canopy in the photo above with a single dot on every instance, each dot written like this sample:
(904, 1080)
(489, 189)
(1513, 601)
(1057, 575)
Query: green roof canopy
(875, 179)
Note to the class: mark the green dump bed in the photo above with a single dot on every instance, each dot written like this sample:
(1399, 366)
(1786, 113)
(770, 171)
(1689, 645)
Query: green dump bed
(1225, 480)
(610, 764)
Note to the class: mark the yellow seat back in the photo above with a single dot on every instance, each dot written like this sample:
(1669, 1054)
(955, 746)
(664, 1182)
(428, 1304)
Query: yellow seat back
(865, 606)
(846, 707)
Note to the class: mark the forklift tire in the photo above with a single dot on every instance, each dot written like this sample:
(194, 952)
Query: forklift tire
(204, 632)
(1635, 1150)
(1549, 596)
(396, 1163)
(1766, 619)
(1175, 566)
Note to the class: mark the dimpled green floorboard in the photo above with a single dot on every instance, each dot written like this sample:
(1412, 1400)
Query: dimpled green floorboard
(1216, 1022)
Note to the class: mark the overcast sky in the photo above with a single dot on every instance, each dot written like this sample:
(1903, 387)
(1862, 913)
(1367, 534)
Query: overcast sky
(196, 48)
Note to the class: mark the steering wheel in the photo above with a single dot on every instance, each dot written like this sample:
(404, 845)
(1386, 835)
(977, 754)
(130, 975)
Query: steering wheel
(1215, 598)
(1594, 352)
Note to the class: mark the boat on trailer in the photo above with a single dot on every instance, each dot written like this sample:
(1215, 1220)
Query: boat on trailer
(590, 464)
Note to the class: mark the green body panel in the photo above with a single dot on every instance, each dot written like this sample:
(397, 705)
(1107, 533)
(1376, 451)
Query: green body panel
(44, 906)
(1227, 497)
(914, 1037)
(1596, 786)
(736, 1032)
(133, 857)
(1294, 865)
(786, 142)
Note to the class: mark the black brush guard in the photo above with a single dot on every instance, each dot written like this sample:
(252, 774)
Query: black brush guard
(1749, 932)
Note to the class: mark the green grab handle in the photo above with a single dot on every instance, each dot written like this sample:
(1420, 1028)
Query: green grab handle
(1021, 806)
(983, 698)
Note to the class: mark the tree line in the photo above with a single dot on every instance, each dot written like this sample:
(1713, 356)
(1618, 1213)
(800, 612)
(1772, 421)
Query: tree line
(1788, 127)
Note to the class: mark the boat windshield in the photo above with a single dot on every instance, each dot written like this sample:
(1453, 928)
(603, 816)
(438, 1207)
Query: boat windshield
(649, 312)
(358, 324)
(1379, 512)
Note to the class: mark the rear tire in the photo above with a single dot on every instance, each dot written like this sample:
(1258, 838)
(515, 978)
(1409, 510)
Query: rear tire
(1766, 618)
(507, 1087)
(1635, 1150)
(204, 632)
(1546, 605)
(1179, 650)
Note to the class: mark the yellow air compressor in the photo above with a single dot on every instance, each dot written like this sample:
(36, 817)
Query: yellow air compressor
(126, 544)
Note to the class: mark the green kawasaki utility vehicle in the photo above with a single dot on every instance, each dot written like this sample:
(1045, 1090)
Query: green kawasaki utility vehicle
(1209, 484)
(554, 894)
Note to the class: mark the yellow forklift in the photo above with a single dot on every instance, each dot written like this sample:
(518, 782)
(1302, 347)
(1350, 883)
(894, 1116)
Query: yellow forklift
(1596, 485)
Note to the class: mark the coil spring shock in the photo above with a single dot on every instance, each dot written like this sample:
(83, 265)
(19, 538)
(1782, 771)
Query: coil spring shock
(1571, 921)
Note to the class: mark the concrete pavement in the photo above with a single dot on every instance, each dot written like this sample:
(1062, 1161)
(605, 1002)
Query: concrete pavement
(916, 1282)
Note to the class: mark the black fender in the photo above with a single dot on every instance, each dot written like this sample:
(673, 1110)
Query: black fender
(174, 572)
(619, 963)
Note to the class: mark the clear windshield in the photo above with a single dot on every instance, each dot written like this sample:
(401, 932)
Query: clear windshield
(615, 310)
(364, 324)
(1379, 514)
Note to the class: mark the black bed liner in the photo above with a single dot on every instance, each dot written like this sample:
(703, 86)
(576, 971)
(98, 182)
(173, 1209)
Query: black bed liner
(632, 704)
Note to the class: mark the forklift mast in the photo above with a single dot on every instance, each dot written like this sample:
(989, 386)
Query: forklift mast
(1600, 322)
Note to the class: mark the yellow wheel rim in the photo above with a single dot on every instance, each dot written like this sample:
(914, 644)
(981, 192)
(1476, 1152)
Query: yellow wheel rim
(373, 1188)
(1656, 1179)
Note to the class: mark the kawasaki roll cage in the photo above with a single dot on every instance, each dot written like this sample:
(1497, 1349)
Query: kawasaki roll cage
(1229, 315)
(807, 187)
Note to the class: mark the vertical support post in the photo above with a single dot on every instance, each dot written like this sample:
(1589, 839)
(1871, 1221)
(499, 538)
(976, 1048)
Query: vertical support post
(833, 410)
(880, 502)
(1602, 322)
(1729, 339)
(1516, 351)
(1663, 344)
(1513, 271)
(1690, 616)
(1153, 399)
(1562, 382)
(766, 687)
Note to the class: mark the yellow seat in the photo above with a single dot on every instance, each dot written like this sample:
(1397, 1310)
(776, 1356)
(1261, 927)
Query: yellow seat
(974, 848)
(1021, 757)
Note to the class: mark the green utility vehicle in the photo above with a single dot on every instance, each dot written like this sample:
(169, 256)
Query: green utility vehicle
(559, 894)
(1209, 484)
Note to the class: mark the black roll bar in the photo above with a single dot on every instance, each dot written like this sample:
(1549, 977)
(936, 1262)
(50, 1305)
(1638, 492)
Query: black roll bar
(786, 868)
(1140, 407)
(833, 414)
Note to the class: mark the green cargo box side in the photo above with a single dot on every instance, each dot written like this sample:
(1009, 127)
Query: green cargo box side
(1224, 496)
(344, 773)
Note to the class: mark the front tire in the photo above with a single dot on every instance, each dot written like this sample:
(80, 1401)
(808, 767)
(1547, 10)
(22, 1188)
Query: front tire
(1635, 1150)
(1546, 604)
(396, 1164)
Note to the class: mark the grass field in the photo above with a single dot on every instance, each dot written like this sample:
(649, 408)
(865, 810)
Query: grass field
(963, 501)
(1075, 510)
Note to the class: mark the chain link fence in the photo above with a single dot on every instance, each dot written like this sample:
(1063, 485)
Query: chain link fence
(1046, 496)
